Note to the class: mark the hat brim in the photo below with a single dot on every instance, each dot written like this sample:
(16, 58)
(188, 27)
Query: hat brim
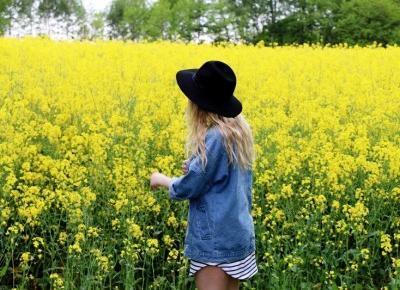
(185, 81)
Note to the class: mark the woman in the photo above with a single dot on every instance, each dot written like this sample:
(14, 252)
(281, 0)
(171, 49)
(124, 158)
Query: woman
(220, 238)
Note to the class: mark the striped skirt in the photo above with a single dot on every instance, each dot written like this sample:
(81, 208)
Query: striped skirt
(242, 269)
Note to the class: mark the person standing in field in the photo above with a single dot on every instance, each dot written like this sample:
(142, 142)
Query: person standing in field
(217, 180)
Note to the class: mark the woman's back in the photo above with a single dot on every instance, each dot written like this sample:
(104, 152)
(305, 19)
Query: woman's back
(220, 226)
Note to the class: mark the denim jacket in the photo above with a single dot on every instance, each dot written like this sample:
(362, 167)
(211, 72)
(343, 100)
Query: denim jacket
(220, 226)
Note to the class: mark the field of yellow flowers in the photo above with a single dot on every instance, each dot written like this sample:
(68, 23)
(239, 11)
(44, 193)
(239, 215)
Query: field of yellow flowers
(84, 124)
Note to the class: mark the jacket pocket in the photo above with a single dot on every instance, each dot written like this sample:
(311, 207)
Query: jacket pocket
(202, 221)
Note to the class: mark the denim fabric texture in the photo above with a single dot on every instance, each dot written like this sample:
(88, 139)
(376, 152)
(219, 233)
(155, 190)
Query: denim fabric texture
(220, 226)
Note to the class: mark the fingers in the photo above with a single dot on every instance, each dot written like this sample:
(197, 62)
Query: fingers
(154, 186)
(153, 181)
(185, 166)
(154, 176)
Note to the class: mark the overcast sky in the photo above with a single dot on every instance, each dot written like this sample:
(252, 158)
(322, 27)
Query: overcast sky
(96, 4)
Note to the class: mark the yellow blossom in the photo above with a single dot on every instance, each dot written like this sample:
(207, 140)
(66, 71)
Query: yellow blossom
(172, 221)
(62, 237)
(173, 254)
(152, 246)
(168, 241)
(26, 257)
(385, 244)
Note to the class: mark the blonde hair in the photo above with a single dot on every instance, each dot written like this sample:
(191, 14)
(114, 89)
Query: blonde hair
(234, 130)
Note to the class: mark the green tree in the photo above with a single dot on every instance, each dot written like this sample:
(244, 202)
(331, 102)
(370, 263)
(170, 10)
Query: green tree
(68, 13)
(4, 15)
(223, 21)
(115, 16)
(23, 13)
(186, 21)
(282, 21)
(305, 21)
(158, 25)
(97, 25)
(13, 11)
(365, 21)
(127, 18)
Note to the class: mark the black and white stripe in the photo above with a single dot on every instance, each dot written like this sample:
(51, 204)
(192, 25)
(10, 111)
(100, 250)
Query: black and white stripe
(242, 269)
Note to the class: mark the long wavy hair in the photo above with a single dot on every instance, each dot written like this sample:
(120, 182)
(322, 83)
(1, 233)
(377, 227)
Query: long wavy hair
(236, 131)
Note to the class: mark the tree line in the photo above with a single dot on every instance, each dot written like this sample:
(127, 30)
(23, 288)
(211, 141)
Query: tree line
(249, 21)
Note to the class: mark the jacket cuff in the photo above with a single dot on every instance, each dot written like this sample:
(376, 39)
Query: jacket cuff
(172, 192)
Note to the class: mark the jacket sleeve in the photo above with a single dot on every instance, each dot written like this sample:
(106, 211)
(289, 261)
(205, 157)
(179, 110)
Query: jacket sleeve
(198, 181)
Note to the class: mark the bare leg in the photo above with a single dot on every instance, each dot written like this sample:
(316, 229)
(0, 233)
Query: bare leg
(233, 283)
(211, 278)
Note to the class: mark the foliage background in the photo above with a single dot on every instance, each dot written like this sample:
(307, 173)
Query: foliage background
(248, 21)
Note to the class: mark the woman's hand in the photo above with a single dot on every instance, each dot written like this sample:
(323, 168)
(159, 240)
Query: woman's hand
(158, 179)
(155, 180)
(185, 166)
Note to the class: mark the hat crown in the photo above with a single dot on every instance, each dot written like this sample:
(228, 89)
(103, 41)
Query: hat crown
(217, 78)
(211, 87)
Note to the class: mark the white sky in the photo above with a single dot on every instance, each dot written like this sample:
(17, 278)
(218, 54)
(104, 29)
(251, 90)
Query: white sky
(96, 5)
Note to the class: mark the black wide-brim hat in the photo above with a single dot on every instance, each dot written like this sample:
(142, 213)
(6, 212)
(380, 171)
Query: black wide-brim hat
(211, 88)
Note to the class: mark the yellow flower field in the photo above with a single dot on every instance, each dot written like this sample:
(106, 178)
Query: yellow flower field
(84, 124)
